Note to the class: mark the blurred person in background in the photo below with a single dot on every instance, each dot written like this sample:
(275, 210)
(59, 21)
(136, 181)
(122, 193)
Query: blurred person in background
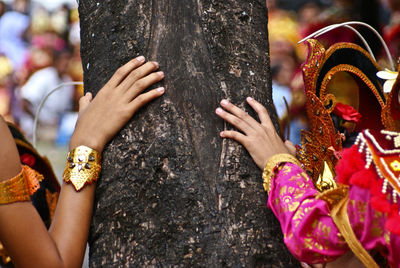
(48, 34)
(391, 32)
(38, 86)
(284, 34)
(5, 89)
(2, 8)
(346, 10)
(13, 27)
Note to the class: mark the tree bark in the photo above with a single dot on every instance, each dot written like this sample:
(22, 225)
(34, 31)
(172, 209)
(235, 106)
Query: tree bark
(172, 192)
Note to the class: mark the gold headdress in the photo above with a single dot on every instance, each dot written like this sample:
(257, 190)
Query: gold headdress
(344, 73)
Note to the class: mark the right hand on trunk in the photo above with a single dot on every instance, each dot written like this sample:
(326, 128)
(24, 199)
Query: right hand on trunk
(101, 118)
(260, 139)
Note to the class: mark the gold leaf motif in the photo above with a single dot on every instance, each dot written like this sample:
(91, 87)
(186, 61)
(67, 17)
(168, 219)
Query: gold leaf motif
(395, 165)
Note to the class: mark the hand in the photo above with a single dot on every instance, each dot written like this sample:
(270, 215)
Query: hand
(260, 140)
(99, 120)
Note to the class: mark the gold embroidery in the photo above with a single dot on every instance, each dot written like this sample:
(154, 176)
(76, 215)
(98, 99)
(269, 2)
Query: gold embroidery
(309, 243)
(299, 193)
(285, 169)
(333, 196)
(361, 208)
(395, 165)
(341, 219)
(290, 204)
(291, 190)
(282, 191)
(386, 235)
(376, 230)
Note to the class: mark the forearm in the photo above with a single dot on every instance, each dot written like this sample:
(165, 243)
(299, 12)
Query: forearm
(70, 226)
(26, 238)
(22, 230)
(9, 157)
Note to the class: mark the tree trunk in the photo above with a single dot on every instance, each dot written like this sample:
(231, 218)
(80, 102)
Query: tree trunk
(172, 192)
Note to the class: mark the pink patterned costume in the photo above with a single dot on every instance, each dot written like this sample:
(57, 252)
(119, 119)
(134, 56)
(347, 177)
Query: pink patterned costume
(309, 230)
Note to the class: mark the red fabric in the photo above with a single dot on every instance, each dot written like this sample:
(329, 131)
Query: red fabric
(350, 170)
(393, 222)
(379, 202)
(350, 163)
(28, 159)
(362, 178)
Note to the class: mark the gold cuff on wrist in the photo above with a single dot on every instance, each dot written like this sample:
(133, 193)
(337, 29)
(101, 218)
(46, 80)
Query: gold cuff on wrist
(272, 163)
(83, 167)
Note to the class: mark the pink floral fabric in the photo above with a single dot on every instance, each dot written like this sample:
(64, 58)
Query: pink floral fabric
(310, 233)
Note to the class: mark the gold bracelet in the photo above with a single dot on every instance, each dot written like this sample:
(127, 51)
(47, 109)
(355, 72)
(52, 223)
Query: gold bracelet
(83, 167)
(14, 189)
(272, 163)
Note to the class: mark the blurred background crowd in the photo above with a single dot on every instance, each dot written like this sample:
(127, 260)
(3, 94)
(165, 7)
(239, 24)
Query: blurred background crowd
(39, 49)
(290, 21)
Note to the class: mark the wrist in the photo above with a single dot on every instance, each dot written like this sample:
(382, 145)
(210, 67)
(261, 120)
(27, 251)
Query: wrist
(91, 142)
(271, 165)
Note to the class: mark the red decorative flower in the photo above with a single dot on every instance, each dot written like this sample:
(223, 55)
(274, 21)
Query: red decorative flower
(28, 159)
(347, 112)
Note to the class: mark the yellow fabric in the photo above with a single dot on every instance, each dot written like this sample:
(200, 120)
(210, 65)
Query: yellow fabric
(341, 219)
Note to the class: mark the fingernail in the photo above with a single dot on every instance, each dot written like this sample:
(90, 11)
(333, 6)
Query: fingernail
(160, 89)
(224, 102)
(221, 134)
(218, 111)
(250, 99)
(160, 74)
(156, 64)
(140, 58)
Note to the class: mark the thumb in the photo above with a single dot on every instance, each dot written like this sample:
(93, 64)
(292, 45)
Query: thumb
(84, 102)
(290, 146)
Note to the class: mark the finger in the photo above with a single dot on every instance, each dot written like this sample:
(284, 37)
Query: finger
(261, 112)
(240, 114)
(234, 135)
(145, 98)
(142, 84)
(85, 101)
(124, 70)
(137, 74)
(234, 120)
(291, 148)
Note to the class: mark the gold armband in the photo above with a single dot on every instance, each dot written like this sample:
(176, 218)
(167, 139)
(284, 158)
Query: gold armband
(83, 167)
(272, 163)
(20, 187)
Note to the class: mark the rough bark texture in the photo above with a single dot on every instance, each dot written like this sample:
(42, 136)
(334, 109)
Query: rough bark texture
(172, 192)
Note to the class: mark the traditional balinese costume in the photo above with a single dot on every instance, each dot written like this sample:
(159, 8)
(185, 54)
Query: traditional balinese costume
(329, 200)
(43, 187)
